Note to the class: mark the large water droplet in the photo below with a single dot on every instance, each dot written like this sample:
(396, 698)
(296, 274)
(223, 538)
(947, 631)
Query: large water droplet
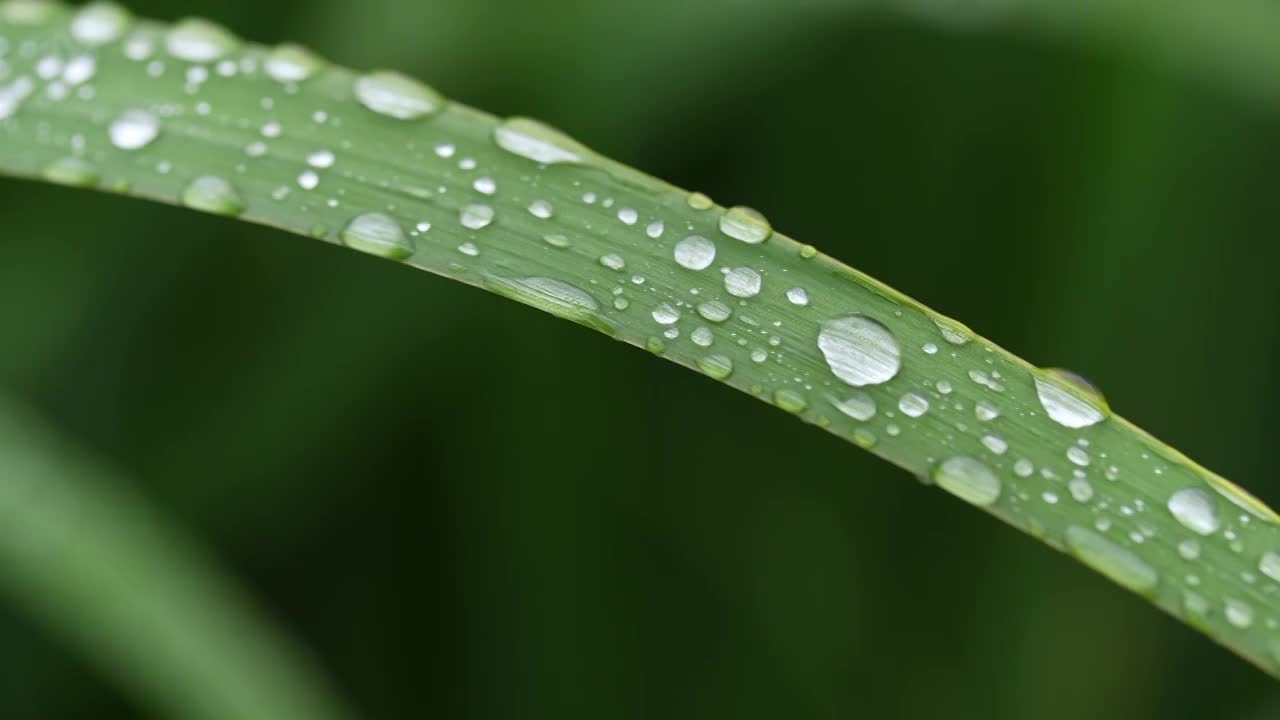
(1112, 560)
(695, 252)
(396, 95)
(665, 314)
(199, 41)
(291, 64)
(1196, 510)
(537, 142)
(742, 282)
(968, 479)
(212, 194)
(554, 296)
(378, 234)
(913, 405)
(859, 350)
(1067, 404)
(99, 23)
(134, 129)
(745, 224)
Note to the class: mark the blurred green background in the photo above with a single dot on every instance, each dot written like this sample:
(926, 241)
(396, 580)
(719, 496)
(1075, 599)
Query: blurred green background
(449, 506)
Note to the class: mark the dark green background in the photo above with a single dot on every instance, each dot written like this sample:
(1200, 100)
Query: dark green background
(468, 509)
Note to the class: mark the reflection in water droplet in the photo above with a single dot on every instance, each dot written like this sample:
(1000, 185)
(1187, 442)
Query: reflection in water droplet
(913, 405)
(476, 216)
(859, 350)
(1067, 408)
(665, 314)
(695, 252)
(716, 366)
(535, 141)
(790, 401)
(742, 282)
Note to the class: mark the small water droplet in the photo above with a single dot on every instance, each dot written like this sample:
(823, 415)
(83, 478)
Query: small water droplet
(655, 229)
(377, 234)
(72, 171)
(715, 311)
(540, 209)
(995, 444)
(134, 129)
(1023, 468)
(199, 41)
(212, 194)
(759, 355)
(1073, 409)
(485, 185)
(79, 70)
(790, 401)
(695, 253)
(1080, 489)
(745, 224)
(628, 216)
(1196, 510)
(913, 405)
(476, 216)
(469, 249)
(798, 296)
(291, 64)
(968, 479)
(699, 201)
(1238, 612)
(859, 350)
(613, 261)
(395, 95)
(321, 159)
(985, 411)
(1189, 549)
(719, 367)
(702, 336)
(559, 241)
(308, 180)
(952, 331)
(537, 142)
(1078, 456)
(100, 23)
(742, 282)
(860, 406)
(1112, 560)
(1269, 565)
(665, 314)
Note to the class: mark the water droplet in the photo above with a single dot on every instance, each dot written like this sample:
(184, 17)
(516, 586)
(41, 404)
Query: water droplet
(1068, 407)
(759, 355)
(1189, 549)
(695, 252)
(99, 23)
(715, 311)
(1269, 565)
(699, 201)
(308, 180)
(913, 405)
(790, 401)
(1112, 560)
(859, 406)
(134, 129)
(665, 314)
(716, 366)
(321, 159)
(985, 411)
(1238, 613)
(72, 171)
(1196, 510)
(554, 296)
(995, 444)
(559, 241)
(655, 229)
(469, 249)
(613, 261)
(702, 336)
(538, 142)
(1023, 468)
(540, 209)
(377, 234)
(396, 95)
(859, 350)
(968, 479)
(1237, 496)
(952, 331)
(742, 282)
(476, 216)
(628, 216)
(199, 41)
(1078, 456)
(745, 224)
(1080, 489)
(291, 64)
(798, 296)
(212, 194)
(485, 185)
